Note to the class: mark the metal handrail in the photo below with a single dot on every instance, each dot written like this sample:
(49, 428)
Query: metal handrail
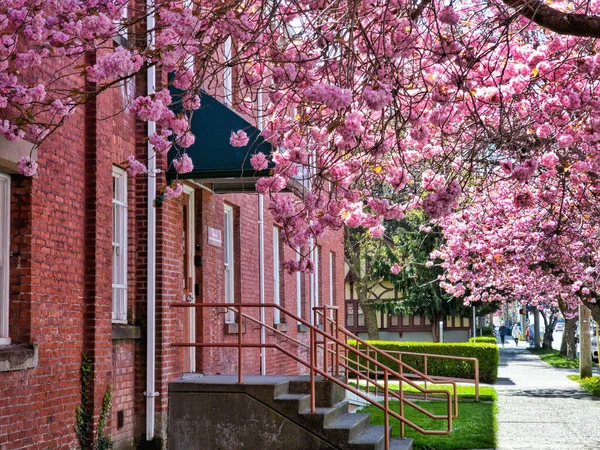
(326, 340)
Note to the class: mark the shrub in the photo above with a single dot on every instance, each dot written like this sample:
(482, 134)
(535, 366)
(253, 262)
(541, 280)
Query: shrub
(486, 331)
(487, 354)
(484, 339)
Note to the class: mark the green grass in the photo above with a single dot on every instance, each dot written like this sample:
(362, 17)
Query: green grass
(464, 392)
(591, 384)
(555, 359)
(474, 428)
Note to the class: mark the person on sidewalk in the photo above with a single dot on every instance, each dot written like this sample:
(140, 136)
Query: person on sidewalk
(528, 336)
(502, 331)
(516, 333)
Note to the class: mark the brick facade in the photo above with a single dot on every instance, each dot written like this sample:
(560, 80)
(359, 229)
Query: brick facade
(61, 276)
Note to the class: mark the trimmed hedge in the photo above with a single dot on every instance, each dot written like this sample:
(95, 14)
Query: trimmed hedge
(485, 331)
(487, 354)
(484, 340)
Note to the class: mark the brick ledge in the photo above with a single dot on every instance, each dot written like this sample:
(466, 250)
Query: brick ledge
(18, 357)
(121, 332)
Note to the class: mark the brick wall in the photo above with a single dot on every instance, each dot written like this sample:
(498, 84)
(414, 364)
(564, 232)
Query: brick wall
(246, 241)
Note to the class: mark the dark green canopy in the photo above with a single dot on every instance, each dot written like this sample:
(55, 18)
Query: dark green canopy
(215, 160)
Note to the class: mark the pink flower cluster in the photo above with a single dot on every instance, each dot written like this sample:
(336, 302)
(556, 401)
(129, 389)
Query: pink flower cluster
(438, 204)
(377, 98)
(333, 97)
(119, 63)
(135, 167)
(259, 162)
(525, 171)
(183, 164)
(239, 139)
(26, 166)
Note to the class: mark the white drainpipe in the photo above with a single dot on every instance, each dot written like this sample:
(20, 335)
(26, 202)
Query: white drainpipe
(151, 275)
(261, 281)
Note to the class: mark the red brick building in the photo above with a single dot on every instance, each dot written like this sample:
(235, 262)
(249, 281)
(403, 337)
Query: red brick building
(73, 279)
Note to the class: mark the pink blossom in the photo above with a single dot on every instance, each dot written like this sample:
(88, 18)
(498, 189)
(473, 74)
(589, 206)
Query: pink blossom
(565, 140)
(432, 181)
(448, 15)
(135, 167)
(549, 160)
(396, 268)
(186, 140)
(161, 141)
(272, 184)
(332, 96)
(377, 231)
(119, 63)
(259, 162)
(525, 171)
(27, 166)
(544, 131)
(173, 193)
(239, 139)
(377, 98)
(183, 164)
(523, 199)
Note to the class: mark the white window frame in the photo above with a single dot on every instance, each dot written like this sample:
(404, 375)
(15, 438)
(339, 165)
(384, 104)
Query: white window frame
(276, 280)
(228, 262)
(317, 281)
(119, 246)
(4, 256)
(227, 73)
(331, 299)
(298, 287)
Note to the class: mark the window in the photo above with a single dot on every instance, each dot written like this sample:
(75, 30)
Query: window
(276, 281)
(119, 277)
(227, 74)
(228, 261)
(298, 287)
(4, 254)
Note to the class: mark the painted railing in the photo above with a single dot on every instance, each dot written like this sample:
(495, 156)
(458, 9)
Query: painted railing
(331, 357)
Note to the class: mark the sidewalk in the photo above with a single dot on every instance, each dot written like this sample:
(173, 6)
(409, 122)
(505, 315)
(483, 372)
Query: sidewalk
(540, 408)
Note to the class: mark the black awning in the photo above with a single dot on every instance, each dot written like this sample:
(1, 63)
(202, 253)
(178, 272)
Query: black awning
(215, 160)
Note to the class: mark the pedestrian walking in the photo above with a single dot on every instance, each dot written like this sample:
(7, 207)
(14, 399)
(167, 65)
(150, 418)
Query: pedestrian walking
(502, 331)
(516, 333)
(528, 336)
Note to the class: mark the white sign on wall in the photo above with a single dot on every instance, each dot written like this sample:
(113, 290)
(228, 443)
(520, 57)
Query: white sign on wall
(214, 237)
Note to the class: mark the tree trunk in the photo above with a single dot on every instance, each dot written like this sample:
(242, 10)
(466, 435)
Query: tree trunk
(435, 327)
(370, 313)
(548, 338)
(568, 347)
(585, 348)
(371, 321)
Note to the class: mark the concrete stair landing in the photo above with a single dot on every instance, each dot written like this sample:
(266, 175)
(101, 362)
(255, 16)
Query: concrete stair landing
(267, 413)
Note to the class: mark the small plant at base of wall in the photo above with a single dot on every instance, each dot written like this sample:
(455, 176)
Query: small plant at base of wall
(84, 417)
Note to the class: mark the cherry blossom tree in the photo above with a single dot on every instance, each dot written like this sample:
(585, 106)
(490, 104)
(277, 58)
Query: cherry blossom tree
(382, 106)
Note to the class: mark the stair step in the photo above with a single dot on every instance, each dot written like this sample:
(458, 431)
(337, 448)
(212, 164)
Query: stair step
(401, 444)
(372, 438)
(350, 425)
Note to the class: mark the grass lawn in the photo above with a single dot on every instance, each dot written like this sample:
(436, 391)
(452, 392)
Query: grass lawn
(555, 359)
(474, 428)
(591, 384)
(465, 392)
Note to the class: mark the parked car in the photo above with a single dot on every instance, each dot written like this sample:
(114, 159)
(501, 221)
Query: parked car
(560, 325)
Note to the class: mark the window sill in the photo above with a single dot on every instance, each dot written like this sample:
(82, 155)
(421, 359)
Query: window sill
(302, 328)
(232, 328)
(125, 332)
(282, 327)
(18, 357)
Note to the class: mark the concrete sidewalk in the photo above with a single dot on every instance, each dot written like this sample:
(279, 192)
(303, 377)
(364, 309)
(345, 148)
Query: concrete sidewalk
(540, 408)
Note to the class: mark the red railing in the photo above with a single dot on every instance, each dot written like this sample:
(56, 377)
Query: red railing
(329, 341)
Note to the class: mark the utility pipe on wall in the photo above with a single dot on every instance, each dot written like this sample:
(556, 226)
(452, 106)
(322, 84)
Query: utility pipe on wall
(261, 281)
(151, 269)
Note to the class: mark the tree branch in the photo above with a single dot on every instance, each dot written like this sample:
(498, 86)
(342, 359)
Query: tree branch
(555, 20)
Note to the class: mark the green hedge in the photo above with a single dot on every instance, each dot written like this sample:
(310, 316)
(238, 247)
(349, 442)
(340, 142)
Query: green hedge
(484, 340)
(485, 331)
(487, 354)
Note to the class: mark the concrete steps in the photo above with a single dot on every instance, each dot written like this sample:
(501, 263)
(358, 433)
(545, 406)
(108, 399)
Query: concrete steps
(332, 420)
(200, 408)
